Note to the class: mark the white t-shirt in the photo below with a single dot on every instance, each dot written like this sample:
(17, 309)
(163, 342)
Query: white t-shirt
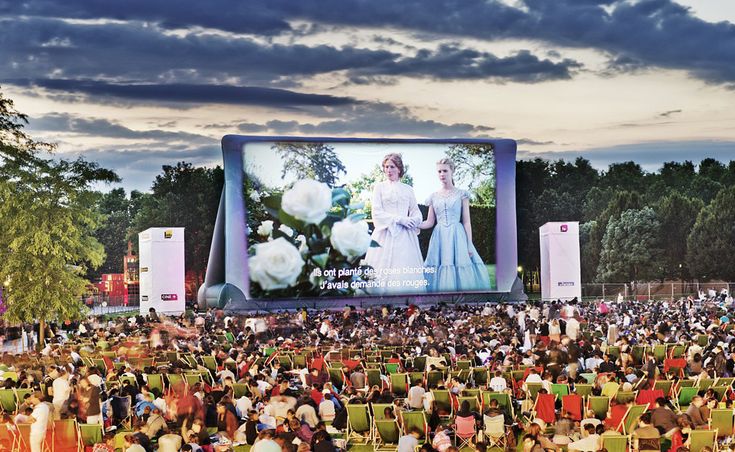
(572, 328)
(62, 389)
(498, 384)
(40, 414)
(416, 397)
(242, 406)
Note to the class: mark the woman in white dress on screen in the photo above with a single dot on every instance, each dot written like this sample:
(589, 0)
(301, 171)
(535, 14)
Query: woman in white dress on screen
(397, 262)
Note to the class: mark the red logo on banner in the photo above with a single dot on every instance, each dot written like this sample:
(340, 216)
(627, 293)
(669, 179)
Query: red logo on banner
(564, 228)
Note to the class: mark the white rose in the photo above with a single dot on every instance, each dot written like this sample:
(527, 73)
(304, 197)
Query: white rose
(303, 249)
(266, 228)
(307, 201)
(286, 230)
(350, 238)
(276, 264)
(255, 196)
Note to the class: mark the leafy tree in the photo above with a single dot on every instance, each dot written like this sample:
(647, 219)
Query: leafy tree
(628, 176)
(316, 161)
(475, 164)
(677, 214)
(183, 196)
(713, 169)
(677, 175)
(48, 220)
(711, 243)
(113, 233)
(704, 188)
(631, 247)
(532, 176)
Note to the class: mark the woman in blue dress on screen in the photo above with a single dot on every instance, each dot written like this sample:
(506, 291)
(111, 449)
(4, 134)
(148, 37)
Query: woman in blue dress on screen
(397, 263)
(452, 262)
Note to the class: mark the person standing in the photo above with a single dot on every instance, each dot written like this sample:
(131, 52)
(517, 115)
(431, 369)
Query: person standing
(452, 262)
(90, 397)
(39, 421)
(61, 391)
(397, 262)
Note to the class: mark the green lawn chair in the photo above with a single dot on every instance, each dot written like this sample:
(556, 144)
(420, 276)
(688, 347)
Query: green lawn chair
(722, 421)
(90, 434)
(20, 395)
(685, 397)
(378, 410)
(210, 363)
(583, 390)
(687, 383)
(471, 393)
(503, 399)
(480, 376)
(614, 352)
(610, 389)
(337, 377)
(615, 443)
(192, 379)
(285, 362)
(239, 390)
(433, 379)
(599, 405)
(387, 434)
(155, 383)
(7, 400)
(392, 368)
(701, 439)
(299, 361)
(415, 419)
(630, 421)
(517, 375)
(373, 378)
(130, 379)
(705, 383)
(415, 377)
(532, 390)
(473, 401)
(464, 364)
(725, 381)
(359, 428)
(625, 396)
(174, 379)
(419, 363)
(720, 392)
(443, 401)
(638, 352)
(399, 384)
(702, 340)
(560, 390)
(659, 352)
(100, 364)
(664, 385)
(590, 377)
(677, 351)
(268, 351)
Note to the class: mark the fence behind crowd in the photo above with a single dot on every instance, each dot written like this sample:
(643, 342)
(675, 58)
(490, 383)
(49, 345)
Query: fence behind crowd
(646, 290)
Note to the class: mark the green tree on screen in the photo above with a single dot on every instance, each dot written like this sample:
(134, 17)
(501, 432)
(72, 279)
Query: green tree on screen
(316, 161)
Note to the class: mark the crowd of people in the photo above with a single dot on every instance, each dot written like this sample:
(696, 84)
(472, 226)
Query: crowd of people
(528, 376)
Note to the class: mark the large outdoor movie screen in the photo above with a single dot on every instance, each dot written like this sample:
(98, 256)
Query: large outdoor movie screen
(348, 219)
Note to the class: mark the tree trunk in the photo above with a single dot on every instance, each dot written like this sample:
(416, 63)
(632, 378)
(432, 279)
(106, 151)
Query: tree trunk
(41, 334)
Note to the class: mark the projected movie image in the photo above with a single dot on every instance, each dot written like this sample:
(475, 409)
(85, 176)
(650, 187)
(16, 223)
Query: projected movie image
(361, 219)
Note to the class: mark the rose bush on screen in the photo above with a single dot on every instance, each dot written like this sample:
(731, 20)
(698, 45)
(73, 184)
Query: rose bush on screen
(313, 236)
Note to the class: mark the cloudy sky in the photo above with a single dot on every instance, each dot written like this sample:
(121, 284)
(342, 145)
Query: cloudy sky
(137, 84)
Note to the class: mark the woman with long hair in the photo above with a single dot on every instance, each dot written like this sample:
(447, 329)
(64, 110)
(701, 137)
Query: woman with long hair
(397, 262)
(452, 262)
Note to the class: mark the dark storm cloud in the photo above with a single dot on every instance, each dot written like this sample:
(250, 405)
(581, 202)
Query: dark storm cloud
(454, 62)
(189, 93)
(635, 34)
(139, 51)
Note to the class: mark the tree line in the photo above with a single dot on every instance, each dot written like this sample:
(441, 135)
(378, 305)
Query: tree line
(674, 223)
